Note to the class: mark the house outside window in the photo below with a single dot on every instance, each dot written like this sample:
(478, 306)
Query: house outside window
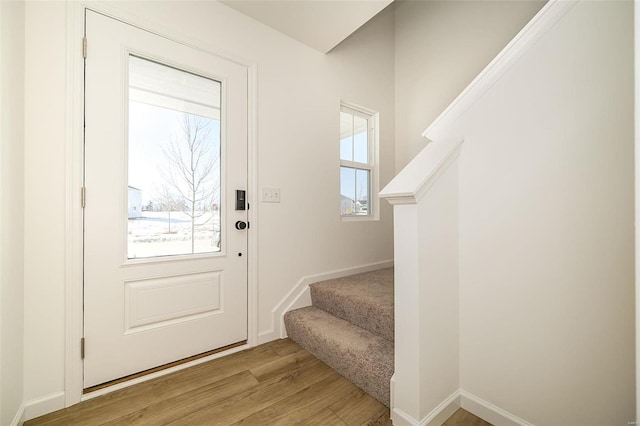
(358, 163)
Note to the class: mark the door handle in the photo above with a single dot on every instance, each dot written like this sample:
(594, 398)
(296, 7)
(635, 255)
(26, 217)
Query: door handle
(240, 225)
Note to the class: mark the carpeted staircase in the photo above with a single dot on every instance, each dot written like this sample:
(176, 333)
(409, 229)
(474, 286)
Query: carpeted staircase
(350, 327)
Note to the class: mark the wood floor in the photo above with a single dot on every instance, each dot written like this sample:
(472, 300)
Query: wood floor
(278, 383)
(465, 418)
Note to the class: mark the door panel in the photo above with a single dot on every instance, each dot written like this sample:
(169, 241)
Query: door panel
(156, 302)
(165, 150)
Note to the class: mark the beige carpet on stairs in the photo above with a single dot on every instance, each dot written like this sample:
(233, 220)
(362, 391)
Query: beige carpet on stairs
(350, 327)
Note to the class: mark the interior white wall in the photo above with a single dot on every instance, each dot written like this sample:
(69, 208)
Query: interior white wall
(547, 225)
(44, 198)
(299, 92)
(11, 209)
(440, 47)
(318, 240)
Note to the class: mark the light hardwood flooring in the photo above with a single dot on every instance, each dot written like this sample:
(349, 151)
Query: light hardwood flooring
(277, 383)
(465, 418)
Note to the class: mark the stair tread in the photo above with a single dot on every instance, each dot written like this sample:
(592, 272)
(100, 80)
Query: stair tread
(364, 358)
(364, 299)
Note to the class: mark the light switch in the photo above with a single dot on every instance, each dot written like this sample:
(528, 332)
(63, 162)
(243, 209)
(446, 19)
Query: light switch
(270, 195)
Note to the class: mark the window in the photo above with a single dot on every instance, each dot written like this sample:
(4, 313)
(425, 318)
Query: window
(358, 168)
(174, 153)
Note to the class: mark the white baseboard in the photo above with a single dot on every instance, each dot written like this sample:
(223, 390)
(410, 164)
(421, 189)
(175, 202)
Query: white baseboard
(443, 411)
(392, 387)
(299, 297)
(45, 405)
(460, 398)
(267, 336)
(18, 419)
(436, 417)
(400, 418)
(489, 412)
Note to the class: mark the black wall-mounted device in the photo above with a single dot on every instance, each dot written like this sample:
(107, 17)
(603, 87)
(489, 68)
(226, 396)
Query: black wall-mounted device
(241, 201)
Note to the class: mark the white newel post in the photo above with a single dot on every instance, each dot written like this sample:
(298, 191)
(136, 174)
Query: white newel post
(425, 199)
(407, 317)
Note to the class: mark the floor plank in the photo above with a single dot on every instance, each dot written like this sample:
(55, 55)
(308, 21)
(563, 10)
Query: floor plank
(284, 346)
(358, 408)
(323, 418)
(175, 408)
(383, 420)
(302, 404)
(465, 418)
(266, 394)
(287, 363)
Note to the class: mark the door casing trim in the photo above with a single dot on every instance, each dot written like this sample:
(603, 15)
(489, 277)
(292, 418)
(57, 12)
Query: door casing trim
(74, 172)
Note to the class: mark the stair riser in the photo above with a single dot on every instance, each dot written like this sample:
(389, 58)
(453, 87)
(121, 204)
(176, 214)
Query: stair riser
(373, 318)
(360, 356)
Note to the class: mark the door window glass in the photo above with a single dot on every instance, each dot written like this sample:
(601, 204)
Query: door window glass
(173, 161)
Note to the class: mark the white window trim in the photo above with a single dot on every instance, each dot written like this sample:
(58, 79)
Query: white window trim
(373, 166)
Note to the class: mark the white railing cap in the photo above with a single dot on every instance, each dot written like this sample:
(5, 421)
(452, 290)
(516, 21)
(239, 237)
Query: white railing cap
(410, 185)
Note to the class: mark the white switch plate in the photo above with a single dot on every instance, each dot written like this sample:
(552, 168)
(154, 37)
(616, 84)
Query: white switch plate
(270, 195)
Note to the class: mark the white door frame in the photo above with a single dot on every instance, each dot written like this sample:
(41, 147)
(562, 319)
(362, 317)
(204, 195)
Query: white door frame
(74, 171)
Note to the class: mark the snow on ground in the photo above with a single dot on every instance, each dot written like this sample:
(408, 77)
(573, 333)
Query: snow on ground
(154, 234)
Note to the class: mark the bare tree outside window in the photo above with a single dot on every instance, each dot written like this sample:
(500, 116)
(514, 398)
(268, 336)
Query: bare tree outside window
(190, 169)
(168, 201)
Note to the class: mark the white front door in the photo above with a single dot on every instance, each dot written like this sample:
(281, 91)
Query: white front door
(165, 266)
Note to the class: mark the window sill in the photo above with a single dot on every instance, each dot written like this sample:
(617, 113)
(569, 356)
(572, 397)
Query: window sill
(368, 218)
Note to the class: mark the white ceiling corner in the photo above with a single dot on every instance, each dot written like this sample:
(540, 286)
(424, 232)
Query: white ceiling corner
(320, 24)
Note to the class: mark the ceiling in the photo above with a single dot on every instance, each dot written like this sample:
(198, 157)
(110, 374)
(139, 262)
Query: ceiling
(320, 24)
